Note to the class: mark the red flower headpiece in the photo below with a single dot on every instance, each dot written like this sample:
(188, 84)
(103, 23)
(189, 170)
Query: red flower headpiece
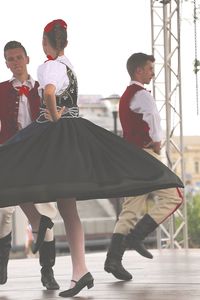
(51, 25)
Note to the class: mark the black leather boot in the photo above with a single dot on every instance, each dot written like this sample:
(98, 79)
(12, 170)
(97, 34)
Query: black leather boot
(47, 260)
(45, 222)
(135, 238)
(5, 246)
(114, 257)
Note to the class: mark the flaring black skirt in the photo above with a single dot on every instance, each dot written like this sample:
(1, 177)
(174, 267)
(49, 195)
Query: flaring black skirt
(76, 158)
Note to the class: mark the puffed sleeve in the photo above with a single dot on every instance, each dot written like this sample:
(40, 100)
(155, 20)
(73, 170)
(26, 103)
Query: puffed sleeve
(51, 72)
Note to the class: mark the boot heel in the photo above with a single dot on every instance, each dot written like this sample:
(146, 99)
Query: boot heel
(90, 284)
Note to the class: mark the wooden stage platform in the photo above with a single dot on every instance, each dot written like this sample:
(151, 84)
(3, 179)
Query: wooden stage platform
(170, 275)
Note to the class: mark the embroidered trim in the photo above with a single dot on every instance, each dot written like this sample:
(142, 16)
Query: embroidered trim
(69, 112)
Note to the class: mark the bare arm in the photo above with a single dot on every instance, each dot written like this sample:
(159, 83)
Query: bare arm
(50, 100)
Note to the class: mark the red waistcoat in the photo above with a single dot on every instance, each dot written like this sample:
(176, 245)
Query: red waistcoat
(135, 130)
(9, 106)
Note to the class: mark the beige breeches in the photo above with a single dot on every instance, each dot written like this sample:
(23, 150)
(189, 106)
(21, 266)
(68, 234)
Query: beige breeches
(167, 201)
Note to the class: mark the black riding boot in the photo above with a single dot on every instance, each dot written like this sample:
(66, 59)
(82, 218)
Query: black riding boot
(47, 254)
(114, 257)
(5, 246)
(45, 223)
(136, 236)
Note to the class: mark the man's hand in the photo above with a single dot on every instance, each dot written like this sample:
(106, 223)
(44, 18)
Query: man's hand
(19, 126)
(155, 146)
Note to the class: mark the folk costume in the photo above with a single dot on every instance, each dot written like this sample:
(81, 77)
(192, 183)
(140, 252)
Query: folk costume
(12, 105)
(19, 106)
(73, 157)
(140, 122)
(141, 125)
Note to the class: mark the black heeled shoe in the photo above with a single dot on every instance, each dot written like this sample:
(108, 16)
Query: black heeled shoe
(45, 222)
(86, 280)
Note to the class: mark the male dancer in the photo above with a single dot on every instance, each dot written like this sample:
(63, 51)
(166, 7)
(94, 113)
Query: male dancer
(140, 122)
(19, 106)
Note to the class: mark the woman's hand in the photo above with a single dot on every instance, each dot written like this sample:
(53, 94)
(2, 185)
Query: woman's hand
(59, 113)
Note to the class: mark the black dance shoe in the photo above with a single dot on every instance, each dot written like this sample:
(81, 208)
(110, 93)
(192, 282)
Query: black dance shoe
(45, 222)
(86, 280)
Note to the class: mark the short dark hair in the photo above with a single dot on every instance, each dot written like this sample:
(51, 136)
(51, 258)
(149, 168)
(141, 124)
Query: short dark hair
(137, 60)
(14, 45)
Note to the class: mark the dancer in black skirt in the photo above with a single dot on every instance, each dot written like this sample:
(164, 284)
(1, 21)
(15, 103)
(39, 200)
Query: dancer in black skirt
(62, 157)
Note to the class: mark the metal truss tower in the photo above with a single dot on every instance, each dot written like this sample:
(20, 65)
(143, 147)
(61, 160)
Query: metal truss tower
(165, 23)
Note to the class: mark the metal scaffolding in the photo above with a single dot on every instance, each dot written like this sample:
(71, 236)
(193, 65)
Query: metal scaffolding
(165, 23)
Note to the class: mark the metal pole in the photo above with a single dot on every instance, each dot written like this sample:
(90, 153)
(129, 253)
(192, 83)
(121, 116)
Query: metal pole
(115, 114)
(117, 200)
(113, 101)
(165, 22)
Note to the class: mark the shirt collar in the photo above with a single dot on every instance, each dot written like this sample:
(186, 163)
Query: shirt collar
(136, 82)
(64, 60)
(60, 58)
(30, 82)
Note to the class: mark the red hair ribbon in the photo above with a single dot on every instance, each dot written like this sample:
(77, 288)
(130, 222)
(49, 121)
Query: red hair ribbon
(51, 25)
(49, 57)
(23, 90)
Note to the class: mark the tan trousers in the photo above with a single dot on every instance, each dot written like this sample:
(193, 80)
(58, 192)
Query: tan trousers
(6, 220)
(48, 209)
(168, 200)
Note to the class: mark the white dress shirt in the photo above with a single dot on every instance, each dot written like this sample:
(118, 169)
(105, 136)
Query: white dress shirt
(24, 114)
(143, 103)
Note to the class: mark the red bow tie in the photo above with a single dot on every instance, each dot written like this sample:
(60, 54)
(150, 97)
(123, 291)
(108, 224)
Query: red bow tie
(23, 90)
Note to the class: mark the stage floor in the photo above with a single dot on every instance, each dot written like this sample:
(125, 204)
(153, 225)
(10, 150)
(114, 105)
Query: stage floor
(170, 275)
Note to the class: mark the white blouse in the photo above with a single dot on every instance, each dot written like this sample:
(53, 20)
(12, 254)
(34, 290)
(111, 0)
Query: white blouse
(24, 114)
(54, 72)
(144, 103)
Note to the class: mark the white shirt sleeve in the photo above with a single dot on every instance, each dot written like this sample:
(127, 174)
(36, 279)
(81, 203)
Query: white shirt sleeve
(53, 72)
(144, 103)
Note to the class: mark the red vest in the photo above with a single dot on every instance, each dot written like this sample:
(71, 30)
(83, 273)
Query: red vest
(135, 130)
(9, 106)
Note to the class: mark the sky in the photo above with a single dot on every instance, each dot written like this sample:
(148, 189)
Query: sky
(102, 34)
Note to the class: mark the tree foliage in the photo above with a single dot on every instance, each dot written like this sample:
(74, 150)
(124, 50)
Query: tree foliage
(193, 209)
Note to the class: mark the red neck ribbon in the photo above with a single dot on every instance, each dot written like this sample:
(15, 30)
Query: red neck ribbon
(23, 90)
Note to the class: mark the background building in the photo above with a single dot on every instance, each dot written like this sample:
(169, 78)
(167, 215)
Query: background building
(191, 152)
